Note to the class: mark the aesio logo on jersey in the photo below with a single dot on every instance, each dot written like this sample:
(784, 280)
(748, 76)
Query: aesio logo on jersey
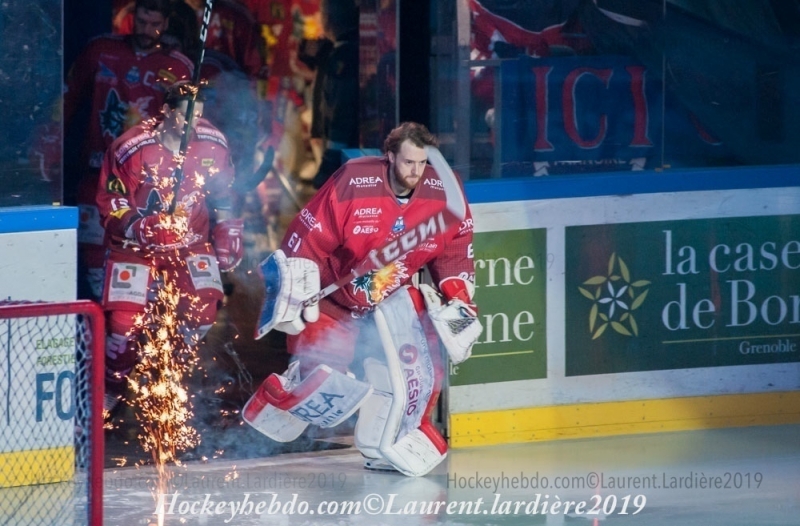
(369, 229)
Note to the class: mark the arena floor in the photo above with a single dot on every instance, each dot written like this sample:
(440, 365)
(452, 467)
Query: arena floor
(731, 477)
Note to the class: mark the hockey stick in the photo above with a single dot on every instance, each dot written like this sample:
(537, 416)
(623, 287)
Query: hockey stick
(189, 117)
(454, 213)
(248, 183)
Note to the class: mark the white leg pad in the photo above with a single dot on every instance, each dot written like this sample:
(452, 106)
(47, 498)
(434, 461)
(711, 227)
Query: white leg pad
(277, 424)
(406, 439)
(414, 454)
(372, 415)
(281, 408)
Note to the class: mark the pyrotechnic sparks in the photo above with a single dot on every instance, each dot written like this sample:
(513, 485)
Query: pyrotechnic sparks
(160, 398)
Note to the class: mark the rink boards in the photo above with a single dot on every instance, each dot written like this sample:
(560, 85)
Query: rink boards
(39, 263)
(704, 330)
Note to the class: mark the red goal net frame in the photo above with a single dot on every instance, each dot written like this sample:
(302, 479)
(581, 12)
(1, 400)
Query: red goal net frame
(82, 499)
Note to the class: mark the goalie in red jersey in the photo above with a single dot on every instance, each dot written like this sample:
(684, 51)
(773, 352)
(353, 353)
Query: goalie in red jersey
(144, 241)
(369, 202)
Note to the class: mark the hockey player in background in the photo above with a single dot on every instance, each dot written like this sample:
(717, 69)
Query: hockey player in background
(190, 246)
(366, 203)
(122, 80)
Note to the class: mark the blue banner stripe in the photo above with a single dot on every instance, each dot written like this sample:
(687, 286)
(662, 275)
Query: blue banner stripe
(38, 218)
(625, 183)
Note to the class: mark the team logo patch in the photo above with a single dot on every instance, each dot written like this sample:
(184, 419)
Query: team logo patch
(378, 284)
(115, 186)
(153, 205)
(133, 76)
(399, 225)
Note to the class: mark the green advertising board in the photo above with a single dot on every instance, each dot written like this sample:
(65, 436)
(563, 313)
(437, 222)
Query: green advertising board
(511, 283)
(682, 294)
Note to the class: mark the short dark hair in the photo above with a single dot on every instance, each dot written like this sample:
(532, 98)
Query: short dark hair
(417, 133)
(162, 6)
(183, 90)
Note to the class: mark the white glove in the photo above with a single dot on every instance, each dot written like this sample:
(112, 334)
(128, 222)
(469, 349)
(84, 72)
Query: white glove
(456, 323)
(289, 282)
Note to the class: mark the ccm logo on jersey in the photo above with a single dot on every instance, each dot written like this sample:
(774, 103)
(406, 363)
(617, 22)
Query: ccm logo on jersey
(362, 182)
(309, 220)
(410, 239)
(369, 229)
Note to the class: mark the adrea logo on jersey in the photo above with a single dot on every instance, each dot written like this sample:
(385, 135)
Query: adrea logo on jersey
(308, 219)
(367, 213)
(365, 182)
(715, 292)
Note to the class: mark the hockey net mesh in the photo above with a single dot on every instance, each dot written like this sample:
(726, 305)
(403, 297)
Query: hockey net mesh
(51, 438)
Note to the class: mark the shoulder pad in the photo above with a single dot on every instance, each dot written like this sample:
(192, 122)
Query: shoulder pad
(206, 132)
(131, 145)
(367, 159)
(178, 55)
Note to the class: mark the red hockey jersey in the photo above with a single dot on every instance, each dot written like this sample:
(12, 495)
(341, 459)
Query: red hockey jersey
(136, 179)
(356, 211)
(124, 87)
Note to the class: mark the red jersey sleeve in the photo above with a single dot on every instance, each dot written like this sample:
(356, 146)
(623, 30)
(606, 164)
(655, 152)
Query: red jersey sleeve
(213, 151)
(457, 258)
(116, 190)
(316, 232)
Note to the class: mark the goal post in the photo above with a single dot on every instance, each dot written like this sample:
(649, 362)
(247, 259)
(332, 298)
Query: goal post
(51, 413)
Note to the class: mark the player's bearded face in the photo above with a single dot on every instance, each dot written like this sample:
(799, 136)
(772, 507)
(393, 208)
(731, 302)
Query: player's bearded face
(148, 26)
(407, 166)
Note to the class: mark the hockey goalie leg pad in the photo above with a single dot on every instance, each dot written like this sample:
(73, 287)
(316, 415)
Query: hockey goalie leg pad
(373, 414)
(412, 446)
(281, 408)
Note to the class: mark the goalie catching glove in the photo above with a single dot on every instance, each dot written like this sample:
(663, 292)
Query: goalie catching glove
(289, 282)
(456, 321)
(227, 240)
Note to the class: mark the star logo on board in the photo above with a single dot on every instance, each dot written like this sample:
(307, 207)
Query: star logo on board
(614, 298)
